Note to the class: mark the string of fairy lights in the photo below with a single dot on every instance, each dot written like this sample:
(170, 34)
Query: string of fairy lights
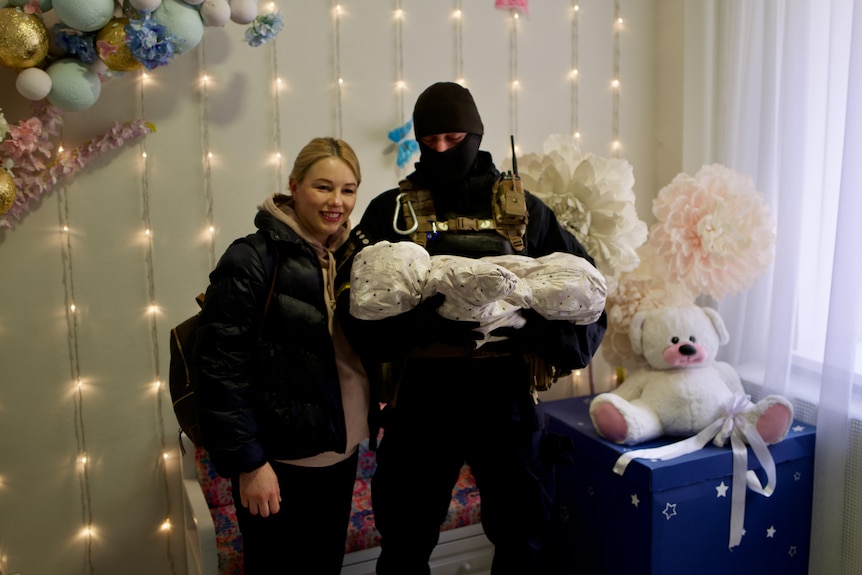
(514, 81)
(575, 70)
(82, 457)
(458, 35)
(154, 328)
(337, 10)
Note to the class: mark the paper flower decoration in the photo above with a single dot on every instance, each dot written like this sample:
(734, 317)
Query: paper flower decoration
(641, 289)
(592, 197)
(713, 231)
(29, 147)
(264, 28)
(406, 147)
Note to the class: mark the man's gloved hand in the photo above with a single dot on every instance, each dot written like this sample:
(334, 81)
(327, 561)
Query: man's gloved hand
(539, 335)
(391, 338)
(427, 326)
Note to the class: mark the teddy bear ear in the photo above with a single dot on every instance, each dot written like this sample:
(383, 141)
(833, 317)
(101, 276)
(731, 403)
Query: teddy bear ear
(718, 323)
(636, 332)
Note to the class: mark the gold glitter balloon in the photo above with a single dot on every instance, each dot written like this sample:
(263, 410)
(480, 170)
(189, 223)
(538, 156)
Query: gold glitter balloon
(114, 34)
(23, 39)
(8, 191)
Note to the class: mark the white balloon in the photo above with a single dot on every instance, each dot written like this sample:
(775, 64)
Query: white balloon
(33, 83)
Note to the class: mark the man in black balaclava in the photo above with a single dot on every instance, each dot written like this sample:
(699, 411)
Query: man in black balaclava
(447, 108)
(448, 403)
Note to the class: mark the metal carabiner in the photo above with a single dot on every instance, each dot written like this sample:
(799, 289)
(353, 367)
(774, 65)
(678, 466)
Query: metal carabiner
(415, 225)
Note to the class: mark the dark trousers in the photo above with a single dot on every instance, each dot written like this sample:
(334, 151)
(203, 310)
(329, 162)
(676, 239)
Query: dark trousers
(451, 411)
(309, 533)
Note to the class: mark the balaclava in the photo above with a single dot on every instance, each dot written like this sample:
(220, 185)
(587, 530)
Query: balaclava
(442, 108)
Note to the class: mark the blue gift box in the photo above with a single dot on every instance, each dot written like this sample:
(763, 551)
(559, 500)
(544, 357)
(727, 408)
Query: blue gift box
(673, 517)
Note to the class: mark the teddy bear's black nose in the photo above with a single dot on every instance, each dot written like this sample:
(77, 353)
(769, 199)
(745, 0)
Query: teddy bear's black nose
(687, 349)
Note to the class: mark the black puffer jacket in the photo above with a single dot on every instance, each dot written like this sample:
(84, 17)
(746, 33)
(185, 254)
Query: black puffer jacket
(272, 393)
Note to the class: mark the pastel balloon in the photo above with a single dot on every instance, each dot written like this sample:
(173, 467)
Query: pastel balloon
(243, 11)
(33, 83)
(215, 12)
(74, 86)
(145, 5)
(84, 15)
(182, 22)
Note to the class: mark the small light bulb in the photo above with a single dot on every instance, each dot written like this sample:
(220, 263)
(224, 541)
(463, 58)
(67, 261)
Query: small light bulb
(209, 155)
(212, 229)
(574, 73)
(158, 383)
(166, 526)
(165, 455)
(616, 145)
(143, 154)
(399, 14)
(72, 308)
(615, 83)
(457, 14)
(577, 135)
(147, 232)
(341, 80)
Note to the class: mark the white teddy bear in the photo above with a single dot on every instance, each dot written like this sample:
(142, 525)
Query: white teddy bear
(388, 279)
(684, 389)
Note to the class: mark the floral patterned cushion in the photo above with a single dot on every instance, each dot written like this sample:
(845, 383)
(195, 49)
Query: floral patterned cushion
(464, 509)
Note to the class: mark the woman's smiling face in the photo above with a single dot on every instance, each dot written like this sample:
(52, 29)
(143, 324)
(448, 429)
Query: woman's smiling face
(325, 197)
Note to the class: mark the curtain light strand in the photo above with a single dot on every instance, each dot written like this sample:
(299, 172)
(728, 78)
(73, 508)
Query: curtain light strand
(75, 367)
(154, 328)
(513, 74)
(459, 42)
(276, 120)
(575, 71)
(615, 130)
(339, 81)
(207, 159)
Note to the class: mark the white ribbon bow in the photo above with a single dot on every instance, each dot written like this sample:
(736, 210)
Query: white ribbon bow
(734, 425)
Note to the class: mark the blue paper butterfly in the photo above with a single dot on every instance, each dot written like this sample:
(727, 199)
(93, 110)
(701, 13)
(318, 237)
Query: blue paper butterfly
(406, 148)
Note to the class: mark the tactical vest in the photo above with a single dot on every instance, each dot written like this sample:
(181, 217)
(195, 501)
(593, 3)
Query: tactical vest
(509, 219)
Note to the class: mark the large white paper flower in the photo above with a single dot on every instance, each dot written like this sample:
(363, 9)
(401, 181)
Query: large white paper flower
(592, 197)
(713, 231)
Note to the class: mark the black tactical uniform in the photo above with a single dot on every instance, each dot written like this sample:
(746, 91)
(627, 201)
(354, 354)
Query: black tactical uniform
(454, 404)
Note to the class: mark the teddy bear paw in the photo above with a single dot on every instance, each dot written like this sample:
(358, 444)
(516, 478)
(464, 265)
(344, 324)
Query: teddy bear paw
(609, 422)
(775, 418)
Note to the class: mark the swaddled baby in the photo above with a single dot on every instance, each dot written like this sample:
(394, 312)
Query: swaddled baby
(388, 279)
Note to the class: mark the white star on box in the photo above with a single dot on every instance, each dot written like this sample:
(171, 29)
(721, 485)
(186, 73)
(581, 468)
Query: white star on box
(770, 533)
(635, 500)
(722, 489)
(669, 510)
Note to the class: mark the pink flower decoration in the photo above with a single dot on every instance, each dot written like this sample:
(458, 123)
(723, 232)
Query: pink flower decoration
(713, 231)
(513, 5)
(29, 146)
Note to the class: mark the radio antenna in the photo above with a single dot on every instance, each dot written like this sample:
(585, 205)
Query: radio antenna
(514, 157)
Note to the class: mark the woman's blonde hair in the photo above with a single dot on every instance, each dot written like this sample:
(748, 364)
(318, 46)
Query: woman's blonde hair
(320, 149)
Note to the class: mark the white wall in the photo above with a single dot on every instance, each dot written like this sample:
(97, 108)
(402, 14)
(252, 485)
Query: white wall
(128, 489)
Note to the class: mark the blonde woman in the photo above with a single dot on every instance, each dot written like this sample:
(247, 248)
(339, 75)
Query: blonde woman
(283, 399)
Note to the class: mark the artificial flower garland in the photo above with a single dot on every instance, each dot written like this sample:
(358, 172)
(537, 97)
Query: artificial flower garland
(29, 152)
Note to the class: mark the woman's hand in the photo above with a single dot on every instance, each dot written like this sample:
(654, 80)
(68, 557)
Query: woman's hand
(259, 491)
